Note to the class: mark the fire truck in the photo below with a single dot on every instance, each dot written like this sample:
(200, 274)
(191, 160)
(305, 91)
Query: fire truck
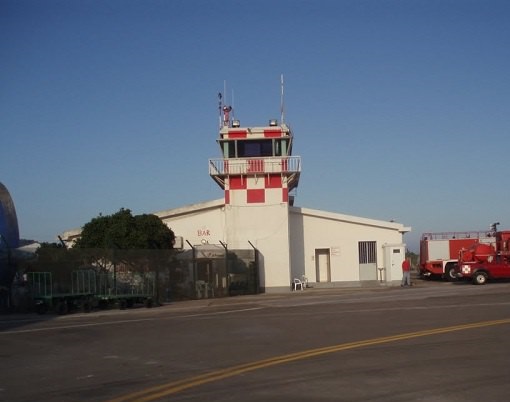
(482, 262)
(439, 252)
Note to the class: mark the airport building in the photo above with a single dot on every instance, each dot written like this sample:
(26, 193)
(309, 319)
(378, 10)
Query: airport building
(257, 217)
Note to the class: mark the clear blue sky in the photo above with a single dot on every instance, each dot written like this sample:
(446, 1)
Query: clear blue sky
(400, 109)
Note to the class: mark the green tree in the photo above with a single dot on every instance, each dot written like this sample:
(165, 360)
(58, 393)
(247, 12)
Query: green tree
(124, 231)
(54, 258)
(140, 243)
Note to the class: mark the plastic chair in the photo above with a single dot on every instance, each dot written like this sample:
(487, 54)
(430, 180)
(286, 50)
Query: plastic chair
(297, 284)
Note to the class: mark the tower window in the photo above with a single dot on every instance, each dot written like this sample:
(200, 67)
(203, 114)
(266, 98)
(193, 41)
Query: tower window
(254, 148)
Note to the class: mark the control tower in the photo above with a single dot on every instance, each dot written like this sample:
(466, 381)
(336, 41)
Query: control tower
(258, 173)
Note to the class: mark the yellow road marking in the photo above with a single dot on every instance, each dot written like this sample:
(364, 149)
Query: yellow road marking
(160, 391)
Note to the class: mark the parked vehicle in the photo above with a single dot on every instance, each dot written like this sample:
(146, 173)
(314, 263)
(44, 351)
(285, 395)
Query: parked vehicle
(87, 290)
(482, 262)
(439, 252)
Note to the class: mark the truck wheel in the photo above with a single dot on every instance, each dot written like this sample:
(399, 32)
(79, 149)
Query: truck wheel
(449, 272)
(480, 278)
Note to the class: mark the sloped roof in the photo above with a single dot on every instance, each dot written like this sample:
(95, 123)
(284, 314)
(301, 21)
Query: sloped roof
(350, 219)
(191, 208)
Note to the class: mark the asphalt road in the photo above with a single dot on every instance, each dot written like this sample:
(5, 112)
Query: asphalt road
(431, 342)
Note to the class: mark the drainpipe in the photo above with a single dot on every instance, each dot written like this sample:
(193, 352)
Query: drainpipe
(226, 262)
(256, 273)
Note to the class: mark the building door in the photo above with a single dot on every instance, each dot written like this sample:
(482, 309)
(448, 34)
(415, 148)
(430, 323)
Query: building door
(367, 251)
(394, 255)
(322, 267)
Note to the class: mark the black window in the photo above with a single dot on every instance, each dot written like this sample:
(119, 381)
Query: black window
(254, 148)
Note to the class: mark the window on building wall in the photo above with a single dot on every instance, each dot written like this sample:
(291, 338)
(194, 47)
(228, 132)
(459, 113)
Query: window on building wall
(254, 148)
(229, 149)
(367, 251)
(278, 148)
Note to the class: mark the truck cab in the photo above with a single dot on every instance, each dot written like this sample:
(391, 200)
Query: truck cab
(482, 262)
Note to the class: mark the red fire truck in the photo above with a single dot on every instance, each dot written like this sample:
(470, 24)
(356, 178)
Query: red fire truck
(439, 252)
(482, 262)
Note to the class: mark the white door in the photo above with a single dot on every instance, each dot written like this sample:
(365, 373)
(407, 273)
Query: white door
(394, 255)
(322, 268)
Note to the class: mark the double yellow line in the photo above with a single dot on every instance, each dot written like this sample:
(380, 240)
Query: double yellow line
(160, 391)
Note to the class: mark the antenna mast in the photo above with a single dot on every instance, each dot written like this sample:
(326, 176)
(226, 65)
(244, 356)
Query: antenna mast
(220, 108)
(281, 101)
(223, 108)
(233, 106)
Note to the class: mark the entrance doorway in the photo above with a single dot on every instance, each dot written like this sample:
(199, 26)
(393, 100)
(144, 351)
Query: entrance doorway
(322, 265)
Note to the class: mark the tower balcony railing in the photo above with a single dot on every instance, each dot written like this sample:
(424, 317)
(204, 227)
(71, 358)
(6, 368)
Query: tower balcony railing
(259, 165)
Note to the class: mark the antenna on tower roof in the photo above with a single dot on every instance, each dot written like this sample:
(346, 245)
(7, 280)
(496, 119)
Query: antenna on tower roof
(233, 106)
(220, 108)
(223, 108)
(281, 101)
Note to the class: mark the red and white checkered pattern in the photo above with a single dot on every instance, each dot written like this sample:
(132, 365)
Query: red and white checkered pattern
(255, 180)
(258, 189)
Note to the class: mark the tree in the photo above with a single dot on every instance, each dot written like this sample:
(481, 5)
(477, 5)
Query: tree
(124, 231)
(54, 258)
(139, 244)
(124, 238)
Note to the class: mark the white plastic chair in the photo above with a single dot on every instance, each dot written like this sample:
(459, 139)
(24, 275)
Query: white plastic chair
(297, 284)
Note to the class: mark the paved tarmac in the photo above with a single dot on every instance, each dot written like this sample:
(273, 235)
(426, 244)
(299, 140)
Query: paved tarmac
(435, 341)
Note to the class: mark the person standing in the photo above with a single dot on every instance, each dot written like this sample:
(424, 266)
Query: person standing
(406, 273)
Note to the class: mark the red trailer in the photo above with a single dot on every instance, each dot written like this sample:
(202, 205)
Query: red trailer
(439, 252)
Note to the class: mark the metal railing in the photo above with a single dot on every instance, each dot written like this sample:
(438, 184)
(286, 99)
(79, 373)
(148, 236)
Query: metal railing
(474, 234)
(285, 164)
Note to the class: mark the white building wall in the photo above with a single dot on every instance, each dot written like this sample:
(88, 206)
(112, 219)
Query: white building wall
(198, 223)
(286, 238)
(312, 229)
(267, 228)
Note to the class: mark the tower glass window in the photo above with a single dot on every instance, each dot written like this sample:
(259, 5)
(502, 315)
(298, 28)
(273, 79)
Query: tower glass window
(254, 148)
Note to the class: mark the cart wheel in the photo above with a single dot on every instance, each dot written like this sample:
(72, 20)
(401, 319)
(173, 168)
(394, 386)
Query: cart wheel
(61, 307)
(41, 308)
(86, 306)
(148, 303)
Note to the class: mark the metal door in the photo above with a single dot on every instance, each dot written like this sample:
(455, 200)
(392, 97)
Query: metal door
(367, 260)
